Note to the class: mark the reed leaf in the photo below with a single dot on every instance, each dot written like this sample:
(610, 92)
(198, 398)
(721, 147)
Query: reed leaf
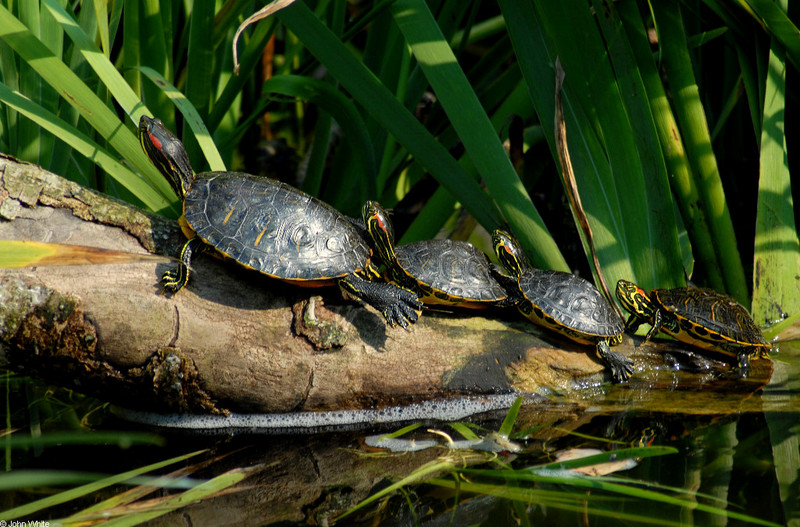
(39, 505)
(191, 115)
(691, 119)
(58, 75)
(150, 197)
(475, 130)
(370, 93)
(777, 251)
(621, 179)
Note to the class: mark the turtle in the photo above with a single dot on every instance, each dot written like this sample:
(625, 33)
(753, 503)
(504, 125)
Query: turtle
(564, 303)
(441, 271)
(270, 227)
(704, 318)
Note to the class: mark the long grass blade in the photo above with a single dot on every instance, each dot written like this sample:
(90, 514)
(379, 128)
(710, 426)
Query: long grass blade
(678, 166)
(777, 251)
(72, 89)
(775, 19)
(475, 130)
(368, 91)
(23, 253)
(148, 195)
(603, 105)
(191, 115)
(694, 128)
(78, 492)
(106, 71)
(161, 507)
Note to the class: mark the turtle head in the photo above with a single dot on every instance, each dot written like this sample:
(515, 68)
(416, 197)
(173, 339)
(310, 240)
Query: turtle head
(635, 300)
(380, 229)
(509, 252)
(167, 153)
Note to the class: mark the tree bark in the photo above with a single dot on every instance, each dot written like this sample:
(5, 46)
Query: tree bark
(235, 340)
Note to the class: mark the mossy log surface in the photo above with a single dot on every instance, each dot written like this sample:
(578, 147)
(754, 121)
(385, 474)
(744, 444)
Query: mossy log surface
(234, 340)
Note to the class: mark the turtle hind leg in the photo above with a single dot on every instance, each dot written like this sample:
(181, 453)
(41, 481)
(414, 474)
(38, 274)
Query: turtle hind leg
(176, 279)
(742, 366)
(399, 306)
(621, 368)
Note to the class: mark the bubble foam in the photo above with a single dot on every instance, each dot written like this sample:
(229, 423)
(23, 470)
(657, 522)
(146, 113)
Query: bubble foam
(437, 410)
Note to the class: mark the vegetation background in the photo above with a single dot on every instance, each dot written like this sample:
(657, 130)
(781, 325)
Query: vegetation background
(678, 119)
(675, 115)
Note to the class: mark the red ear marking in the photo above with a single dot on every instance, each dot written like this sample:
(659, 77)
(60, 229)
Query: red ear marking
(376, 217)
(154, 140)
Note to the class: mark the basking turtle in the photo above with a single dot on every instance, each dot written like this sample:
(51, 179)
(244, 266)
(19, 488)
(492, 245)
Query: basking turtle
(700, 317)
(447, 272)
(566, 304)
(270, 227)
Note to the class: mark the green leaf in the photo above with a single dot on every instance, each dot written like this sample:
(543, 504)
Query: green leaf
(72, 89)
(777, 250)
(18, 253)
(691, 118)
(475, 130)
(67, 133)
(620, 173)
(388, 111)
(68, 495)
(191, 115)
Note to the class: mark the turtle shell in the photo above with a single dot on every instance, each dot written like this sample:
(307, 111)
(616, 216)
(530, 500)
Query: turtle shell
(273, 228)
(569, 304)
(454, 272)
(710, 316)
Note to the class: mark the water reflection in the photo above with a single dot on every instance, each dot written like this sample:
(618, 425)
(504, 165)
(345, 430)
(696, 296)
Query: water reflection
(737, 450)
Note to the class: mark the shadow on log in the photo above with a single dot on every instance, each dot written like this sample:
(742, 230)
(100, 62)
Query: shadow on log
(235, 340)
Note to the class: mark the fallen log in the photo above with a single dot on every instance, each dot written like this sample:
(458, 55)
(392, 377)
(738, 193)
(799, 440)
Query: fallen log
(234, 340)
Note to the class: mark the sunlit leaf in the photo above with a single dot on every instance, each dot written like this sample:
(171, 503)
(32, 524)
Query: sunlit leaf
(14, 253)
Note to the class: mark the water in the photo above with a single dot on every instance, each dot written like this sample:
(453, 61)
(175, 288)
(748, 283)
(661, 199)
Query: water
(737, 450)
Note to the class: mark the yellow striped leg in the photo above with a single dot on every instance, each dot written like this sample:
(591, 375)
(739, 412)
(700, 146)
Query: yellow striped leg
(176, 279)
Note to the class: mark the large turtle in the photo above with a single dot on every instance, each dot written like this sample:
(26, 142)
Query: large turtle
(445, 272)
(566, 304)
(270, 227)
(703, 318)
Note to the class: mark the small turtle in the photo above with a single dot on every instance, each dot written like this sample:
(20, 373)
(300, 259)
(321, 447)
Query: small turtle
(446, 272)
(270, 227)
(566, 304)
(701, 317)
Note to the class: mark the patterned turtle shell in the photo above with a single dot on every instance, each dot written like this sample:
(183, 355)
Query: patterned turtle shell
(710, 319)
(273, 228)
(450, 272)
(569, 304)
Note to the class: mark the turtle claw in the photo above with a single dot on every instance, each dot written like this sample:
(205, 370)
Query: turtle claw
(404, 311)
(399, 306)
(621, 367)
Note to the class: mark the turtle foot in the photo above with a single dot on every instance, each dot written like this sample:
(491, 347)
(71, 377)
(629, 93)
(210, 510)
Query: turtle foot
(399, 306)
(621, 367)
(403, 310)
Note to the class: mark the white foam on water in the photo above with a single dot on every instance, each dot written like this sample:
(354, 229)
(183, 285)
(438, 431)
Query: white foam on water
(450, 410)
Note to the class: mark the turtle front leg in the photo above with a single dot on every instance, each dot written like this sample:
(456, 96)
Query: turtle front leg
(176, 279)
(633, 323)
(621, 368)
(509, 284)
(658, 321)
(398, 305)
